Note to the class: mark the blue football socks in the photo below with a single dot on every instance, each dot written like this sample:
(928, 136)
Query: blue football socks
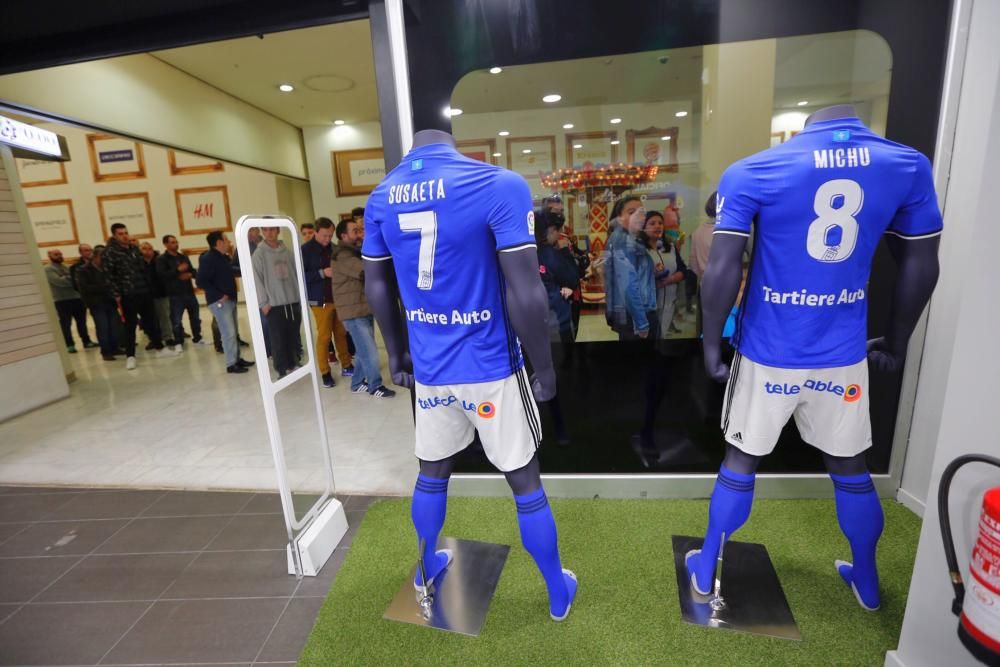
(538, 534)
(430, 502)
(859, 513)
(729, 509)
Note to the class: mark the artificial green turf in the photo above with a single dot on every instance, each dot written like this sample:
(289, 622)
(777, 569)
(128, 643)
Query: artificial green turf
(626, 610)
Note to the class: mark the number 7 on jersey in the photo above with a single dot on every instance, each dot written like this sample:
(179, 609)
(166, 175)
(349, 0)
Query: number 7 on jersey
(424, 222)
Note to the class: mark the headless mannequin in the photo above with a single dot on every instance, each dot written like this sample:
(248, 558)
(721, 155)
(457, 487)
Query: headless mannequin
(917, 274)
(527, 308)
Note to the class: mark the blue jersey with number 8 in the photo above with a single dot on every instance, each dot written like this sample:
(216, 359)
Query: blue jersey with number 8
(818, 205)
(441, 218)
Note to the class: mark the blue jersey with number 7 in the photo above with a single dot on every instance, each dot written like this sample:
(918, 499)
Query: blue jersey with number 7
(441, 218)
(818, 205)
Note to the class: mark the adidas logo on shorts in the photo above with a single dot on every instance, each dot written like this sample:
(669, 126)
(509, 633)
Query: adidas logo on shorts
(738, 437)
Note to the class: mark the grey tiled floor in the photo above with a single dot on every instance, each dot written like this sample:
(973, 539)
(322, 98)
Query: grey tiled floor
(103, 577)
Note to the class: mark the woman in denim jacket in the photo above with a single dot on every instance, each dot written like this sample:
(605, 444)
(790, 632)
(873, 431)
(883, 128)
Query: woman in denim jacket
(629, 279)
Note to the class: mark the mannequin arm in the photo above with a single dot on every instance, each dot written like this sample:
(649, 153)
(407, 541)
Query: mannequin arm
(528, 308)
(383, 298)
(719, 288)
(918, 273)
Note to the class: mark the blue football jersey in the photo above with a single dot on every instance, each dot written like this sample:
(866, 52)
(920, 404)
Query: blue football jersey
(818, 204)
(441, 218)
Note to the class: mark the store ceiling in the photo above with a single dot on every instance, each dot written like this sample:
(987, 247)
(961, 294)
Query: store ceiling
(331, 67)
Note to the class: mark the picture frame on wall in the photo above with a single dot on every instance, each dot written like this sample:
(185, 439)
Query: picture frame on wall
(54, 222)
(203, 210)
(357, 172)
(591, 148)
(130, 209)
(184, 163)
(37, 173)
(478, 149)
(777, 138)
(653, 145)
(114, 158)
(531, 156)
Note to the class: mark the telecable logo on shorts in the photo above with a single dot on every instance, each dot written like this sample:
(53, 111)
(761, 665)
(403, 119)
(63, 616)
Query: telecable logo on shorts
(486, 410)
(851, 393)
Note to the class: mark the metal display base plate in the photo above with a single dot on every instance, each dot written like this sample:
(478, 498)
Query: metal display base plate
(755, 602)
(461, 596)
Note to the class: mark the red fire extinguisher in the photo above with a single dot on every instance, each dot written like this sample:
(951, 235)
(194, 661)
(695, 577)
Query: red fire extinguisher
(979, 612)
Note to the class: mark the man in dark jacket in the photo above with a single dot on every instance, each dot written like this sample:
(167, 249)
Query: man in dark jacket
(127, 272)
(177, 276)
(316, 254)
(161, 304)
(95, 290)
(217, 276)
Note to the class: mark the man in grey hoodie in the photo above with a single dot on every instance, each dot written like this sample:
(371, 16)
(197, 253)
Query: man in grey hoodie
(69, 306)
(278, 298)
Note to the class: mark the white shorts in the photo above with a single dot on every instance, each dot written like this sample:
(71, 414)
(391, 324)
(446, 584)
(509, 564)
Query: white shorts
(830, 407)
(503, 411)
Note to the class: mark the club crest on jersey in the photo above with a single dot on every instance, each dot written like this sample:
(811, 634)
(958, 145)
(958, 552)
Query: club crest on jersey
(531, 222)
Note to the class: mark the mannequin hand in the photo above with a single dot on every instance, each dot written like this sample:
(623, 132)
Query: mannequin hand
(883, 359)
(401, 369)
(714, 367)
(543, 385)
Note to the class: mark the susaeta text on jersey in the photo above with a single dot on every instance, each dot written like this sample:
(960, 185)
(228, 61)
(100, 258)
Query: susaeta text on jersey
(456, 317)
(417, 192)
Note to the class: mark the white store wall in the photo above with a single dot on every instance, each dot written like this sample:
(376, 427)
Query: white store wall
(956, 394)
(249, 191)
(320, 141)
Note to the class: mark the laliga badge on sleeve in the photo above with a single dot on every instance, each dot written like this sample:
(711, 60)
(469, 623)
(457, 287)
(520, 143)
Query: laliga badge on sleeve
(531, 222)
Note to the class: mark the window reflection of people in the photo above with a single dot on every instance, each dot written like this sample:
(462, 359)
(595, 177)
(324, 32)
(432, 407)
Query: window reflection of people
(559, 276)
(629, 283)
(308, 231)
(668, 271)
(278, 298)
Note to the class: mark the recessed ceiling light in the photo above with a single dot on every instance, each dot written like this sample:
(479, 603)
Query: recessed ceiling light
(449, 112)
(615, 142)
(577, 145)
(496, 70)
(497, 154)
(338, 122)
(615, 121)
(802, 103)
(554, 97)
(681, 114)
(526, 151)
(503, 133)
(286, 87)
(667, 138)
(567, 126)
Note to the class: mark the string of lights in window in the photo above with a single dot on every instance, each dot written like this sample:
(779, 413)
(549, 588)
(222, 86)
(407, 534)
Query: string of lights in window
(598, 176)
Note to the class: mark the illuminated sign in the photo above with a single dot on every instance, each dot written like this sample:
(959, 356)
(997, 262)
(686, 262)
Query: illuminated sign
(29, 137)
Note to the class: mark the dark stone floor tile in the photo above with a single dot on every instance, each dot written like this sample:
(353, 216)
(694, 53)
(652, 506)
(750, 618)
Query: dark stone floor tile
(292, 631)
(270, 503)
(162, 535)
(111, 505)
(110, 578)
(7, 609)
(22, 578)
(252, 531)
(195, 503)
(364, 502)
(60, 634)
(354, 519)
(8, 530)
(231, 574)
(199, 630)
(32, 506)
(25, 490)
(319, 586)
(60, 538)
